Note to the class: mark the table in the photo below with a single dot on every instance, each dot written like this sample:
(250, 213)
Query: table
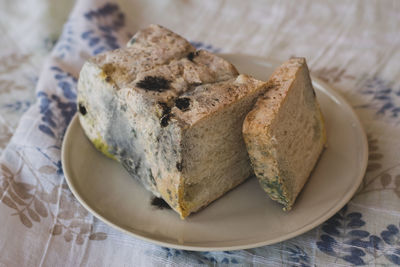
(354, 46)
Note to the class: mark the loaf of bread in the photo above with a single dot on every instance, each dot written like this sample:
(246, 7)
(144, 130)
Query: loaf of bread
(171, 115)
(284, 133)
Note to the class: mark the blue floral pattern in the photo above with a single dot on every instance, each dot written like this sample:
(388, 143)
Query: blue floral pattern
(208, 258)
(391, 243)
(66, 42)
(344, 238)
(52, 104)
(225, 257)
(385, 98)
(18, 106)
(107, 21)
(298, 257)
(56, 163)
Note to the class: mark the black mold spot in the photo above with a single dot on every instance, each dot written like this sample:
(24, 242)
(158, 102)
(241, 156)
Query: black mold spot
(123, 153)
(131, 166)
(137, 167)
(154, 83)
(165, 115)
(183, 103)
(152, 180)
(179, 166)
(132, 41)
(108, 79)
(82, 109)
(165, 108)
(164, 120)
(160, 203)
(169, 194)
(133, 132)
(192, 55)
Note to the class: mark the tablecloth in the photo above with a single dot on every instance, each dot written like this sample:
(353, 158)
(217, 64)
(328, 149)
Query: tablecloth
(354, 46)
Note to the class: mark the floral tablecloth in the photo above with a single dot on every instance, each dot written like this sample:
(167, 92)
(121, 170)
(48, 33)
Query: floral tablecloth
(352, 45)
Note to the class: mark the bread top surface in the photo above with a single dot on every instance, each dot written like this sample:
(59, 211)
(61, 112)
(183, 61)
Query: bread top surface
(206, 99)
(267, 106)
(168, 74)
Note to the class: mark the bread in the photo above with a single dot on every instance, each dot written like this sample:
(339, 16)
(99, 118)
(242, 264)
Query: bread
(284, 132)
(171, 115)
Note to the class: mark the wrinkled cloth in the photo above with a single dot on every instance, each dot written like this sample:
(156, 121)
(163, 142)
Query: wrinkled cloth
(354, 46)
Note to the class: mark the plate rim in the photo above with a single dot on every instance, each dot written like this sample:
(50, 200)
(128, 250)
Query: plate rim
(327, 89)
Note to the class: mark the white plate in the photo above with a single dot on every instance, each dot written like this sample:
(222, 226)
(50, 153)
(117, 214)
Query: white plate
(243, 218)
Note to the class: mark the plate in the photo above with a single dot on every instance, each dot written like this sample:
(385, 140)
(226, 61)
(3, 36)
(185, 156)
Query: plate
(243, 218)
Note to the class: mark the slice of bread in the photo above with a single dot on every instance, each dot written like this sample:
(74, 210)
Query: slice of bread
(171, 115)
(284, 133)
